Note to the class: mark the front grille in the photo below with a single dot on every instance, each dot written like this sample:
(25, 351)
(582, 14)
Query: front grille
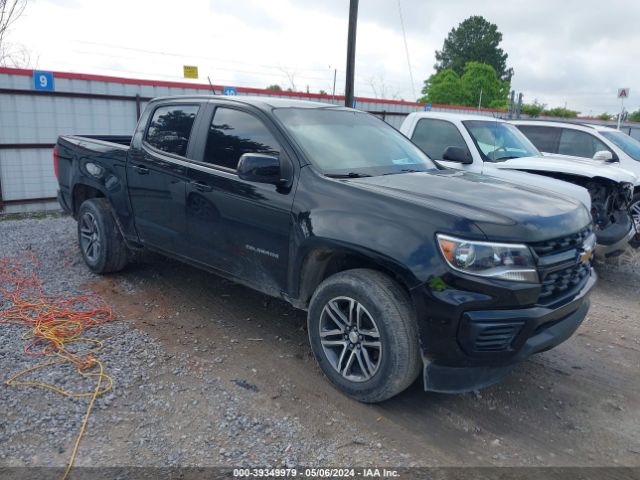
(557, 283)
(562, 244)
(559, 279)
(497, 337)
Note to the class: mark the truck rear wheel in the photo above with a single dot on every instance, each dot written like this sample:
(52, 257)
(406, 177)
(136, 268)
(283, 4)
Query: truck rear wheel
(100, 241)
(363, 334)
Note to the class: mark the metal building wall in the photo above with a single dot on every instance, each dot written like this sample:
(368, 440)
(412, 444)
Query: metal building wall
(31, 121)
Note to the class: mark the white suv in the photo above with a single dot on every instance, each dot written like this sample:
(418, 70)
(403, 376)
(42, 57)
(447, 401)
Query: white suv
(596, 142)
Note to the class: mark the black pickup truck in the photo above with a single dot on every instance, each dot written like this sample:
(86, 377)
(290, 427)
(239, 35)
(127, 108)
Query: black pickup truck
(404, 267)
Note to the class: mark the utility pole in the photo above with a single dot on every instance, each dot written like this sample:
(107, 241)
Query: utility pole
(480, 101)
(335, 73)
(351, 53)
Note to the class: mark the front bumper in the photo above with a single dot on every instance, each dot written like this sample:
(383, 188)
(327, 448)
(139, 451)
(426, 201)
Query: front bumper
(617, 247)
(613, 240)
(484, 345)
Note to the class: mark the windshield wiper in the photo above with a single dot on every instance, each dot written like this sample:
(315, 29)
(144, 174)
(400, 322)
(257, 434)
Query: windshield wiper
(404, 170)
(347, 175)
(508, 157)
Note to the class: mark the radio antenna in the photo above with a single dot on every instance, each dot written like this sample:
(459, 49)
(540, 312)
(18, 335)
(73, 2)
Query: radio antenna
(211, 85)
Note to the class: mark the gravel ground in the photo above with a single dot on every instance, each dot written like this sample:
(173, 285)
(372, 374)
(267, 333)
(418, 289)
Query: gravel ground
(209, 373)
(158, 396)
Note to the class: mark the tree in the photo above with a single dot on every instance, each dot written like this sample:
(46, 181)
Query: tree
(561, 112)
(11, 55)
(444, 88)
(474, 40)
(482, 87)
(275, 88)
(534, 109)
(448, 88)
(634, 116)
(604, 116)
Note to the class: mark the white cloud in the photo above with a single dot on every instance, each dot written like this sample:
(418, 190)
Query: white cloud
(578, 52)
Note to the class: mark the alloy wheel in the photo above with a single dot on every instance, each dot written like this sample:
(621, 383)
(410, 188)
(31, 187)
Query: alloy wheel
(90, 237)
(350, 339)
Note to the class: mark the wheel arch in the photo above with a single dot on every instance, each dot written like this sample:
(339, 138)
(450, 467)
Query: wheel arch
(321, 261)
(82, 192)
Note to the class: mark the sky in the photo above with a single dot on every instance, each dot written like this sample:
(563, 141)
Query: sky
(564, 52)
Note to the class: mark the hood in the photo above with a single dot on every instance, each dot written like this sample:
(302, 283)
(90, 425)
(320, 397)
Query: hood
(569, 165)
(631, 166)
(502, 210)
(560, 187)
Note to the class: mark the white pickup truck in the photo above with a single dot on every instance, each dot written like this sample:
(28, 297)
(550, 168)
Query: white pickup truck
(494, 147)
(597, 143)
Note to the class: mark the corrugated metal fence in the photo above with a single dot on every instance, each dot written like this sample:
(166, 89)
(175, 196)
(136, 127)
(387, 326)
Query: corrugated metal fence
(31, 119)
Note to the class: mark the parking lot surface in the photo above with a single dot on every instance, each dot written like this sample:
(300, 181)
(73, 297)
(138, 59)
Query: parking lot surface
(208, 372)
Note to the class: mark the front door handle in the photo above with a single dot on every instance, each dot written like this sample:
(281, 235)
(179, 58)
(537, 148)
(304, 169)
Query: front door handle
(202, 187)
(142, 170)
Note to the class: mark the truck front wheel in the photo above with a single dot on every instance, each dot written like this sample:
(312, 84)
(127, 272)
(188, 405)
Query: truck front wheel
(100, 241)
(635, 215)
(363, 334)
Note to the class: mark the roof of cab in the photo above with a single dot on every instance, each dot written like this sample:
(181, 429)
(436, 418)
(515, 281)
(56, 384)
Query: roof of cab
(562, 124)
(455, 116)
(264, 103)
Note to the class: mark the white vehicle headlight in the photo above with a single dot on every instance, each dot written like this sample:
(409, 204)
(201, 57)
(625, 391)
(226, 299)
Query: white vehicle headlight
(505, 261)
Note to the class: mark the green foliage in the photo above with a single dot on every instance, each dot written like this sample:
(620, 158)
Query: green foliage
(448, 88)
(444, 88)
(500, 104)
(275, 88)
(534, 109)
(604, 116)
(474, 40)
(482, 77)
(561, 112)
(634, 116)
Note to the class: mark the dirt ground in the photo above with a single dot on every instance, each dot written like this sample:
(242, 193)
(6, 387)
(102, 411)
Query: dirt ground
(210, 373)
(577, 405)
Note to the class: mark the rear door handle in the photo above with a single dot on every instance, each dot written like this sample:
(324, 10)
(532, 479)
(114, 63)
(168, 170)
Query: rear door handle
(202, 187)
(141, 169)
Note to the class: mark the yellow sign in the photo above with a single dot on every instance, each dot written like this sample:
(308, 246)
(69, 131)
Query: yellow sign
(190, 71)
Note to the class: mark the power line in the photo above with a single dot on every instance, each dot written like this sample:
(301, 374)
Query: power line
(406, 49)
(204, 57)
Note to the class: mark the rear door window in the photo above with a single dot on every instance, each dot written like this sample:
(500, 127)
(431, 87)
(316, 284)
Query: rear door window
(545, 139)
(579, 144)
(233, 133)
(170, 128)
(433, 136)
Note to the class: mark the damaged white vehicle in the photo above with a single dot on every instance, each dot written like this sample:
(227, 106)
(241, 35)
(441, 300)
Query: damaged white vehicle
(494, 147)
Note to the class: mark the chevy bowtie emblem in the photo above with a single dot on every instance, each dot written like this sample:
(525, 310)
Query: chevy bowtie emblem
(586, 254)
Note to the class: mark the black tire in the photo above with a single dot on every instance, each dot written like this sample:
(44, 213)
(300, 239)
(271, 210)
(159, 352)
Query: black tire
(97, 226)
(388, 305)
(635, 215)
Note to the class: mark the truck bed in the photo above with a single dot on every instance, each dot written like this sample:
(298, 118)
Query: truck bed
(92, 160)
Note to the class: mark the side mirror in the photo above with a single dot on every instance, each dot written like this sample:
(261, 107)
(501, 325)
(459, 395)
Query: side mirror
(260, 168)
(458, 155)
(604, 156)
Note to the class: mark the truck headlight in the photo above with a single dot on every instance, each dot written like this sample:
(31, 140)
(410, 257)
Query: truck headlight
(505, 261)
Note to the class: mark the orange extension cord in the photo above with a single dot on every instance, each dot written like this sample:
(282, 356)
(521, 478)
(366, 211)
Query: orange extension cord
(55, 324)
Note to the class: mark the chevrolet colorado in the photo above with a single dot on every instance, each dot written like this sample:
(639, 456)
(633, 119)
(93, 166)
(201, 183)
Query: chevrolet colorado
(403, 267)
(494, 147)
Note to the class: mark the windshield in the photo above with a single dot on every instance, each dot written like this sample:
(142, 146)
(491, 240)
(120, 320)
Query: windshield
(347, 142)
(500, 141)
(629, 145)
